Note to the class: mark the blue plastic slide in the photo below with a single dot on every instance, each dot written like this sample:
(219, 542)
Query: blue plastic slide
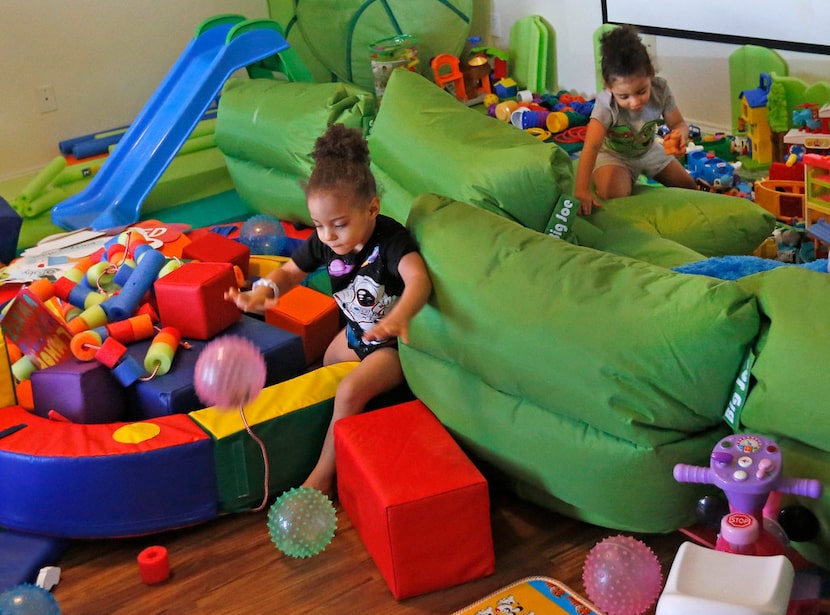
(115, 194)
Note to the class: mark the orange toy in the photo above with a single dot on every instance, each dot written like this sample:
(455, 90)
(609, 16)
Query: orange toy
(673, 144)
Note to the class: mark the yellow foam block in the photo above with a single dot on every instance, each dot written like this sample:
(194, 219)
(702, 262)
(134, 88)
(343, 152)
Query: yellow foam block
(277, 400)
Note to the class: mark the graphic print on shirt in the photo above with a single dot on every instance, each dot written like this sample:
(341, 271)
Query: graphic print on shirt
(624, 139)
(364, 301)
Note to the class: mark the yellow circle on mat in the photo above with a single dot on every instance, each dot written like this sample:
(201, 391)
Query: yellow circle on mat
(135, 433)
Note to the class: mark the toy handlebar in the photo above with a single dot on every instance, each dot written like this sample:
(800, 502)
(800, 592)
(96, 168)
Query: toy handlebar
(807, 487)
(685, 473)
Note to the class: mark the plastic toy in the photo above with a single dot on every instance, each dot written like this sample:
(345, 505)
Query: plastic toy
(703, 580)
(711, 509)
(229, 373)
(302, 522)
(816, 188)
(476, 73)
(498, 59)
(27, 599)
(748, 468)
(506, 88)
(622, 576)
(389, 54)
(264, 235)
(48, 577)
(805, 117)
(469, 84)
(711, 172)
(783, 198)
(754, 120)
(795, 154)
(673, 144)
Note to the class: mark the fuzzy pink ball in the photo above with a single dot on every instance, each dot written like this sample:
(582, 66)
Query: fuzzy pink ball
(622, 576)
(230, 372)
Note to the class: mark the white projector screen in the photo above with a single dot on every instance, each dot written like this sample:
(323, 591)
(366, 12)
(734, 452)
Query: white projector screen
(796, 25)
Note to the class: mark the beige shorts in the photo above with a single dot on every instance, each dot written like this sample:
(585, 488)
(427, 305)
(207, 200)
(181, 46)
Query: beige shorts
(649, 164)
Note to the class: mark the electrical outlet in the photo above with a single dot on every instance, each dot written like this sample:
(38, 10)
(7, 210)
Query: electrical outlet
(46, 98)
(495, 25)
(650, 41)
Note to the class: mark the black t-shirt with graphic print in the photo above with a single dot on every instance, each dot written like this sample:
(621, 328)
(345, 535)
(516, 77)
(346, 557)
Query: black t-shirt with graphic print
(367, 284)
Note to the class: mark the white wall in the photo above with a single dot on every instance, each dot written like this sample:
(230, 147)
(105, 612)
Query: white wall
(106, 57)
(698, 71)
(103, 57)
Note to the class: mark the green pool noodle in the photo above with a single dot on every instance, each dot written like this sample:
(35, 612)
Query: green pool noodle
(205, 127)
(38, 184)
(78, 172)
(194, 144)
(44, 202)
(110, 133)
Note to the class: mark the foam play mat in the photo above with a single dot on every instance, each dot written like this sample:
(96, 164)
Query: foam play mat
(537, 595)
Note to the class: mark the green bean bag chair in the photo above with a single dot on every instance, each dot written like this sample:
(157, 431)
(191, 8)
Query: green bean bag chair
(788, 389)
(266, 130)
(583, 376)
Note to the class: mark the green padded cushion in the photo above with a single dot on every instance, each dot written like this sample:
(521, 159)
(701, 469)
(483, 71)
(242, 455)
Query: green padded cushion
(424, 140)
(572, 369)
(709, 223)
(790, 393)
(267, 128)
(635, 243)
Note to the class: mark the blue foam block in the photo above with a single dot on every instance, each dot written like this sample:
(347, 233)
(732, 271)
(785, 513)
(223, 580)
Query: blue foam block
(23, 555)
(10, 223)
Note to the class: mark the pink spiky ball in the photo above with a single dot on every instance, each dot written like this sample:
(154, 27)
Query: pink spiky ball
(622, 576)
(229, 373)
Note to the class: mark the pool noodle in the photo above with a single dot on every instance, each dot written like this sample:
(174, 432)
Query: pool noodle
(34, 188)
(44, 202)
(67, 147)
(122, 305)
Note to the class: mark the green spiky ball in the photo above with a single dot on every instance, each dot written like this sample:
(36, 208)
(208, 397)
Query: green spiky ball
(302, 522)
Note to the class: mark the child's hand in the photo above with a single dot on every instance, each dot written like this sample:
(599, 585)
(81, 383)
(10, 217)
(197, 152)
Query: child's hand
(253, 301)
(673, 144)
(388, 327)
(586, 203)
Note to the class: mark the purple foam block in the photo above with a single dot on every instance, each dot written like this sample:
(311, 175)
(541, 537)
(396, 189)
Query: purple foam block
(81, 391)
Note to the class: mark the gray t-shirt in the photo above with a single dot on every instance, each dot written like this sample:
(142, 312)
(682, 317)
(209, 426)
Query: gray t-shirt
(632, 134)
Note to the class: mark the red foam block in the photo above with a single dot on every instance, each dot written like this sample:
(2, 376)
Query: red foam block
(418, 503)
(216, 248)
(191, 299)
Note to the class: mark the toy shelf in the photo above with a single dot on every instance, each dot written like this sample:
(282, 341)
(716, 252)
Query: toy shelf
(816, 188)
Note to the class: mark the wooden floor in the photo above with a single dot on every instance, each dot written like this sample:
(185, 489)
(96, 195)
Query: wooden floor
(231, 567)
